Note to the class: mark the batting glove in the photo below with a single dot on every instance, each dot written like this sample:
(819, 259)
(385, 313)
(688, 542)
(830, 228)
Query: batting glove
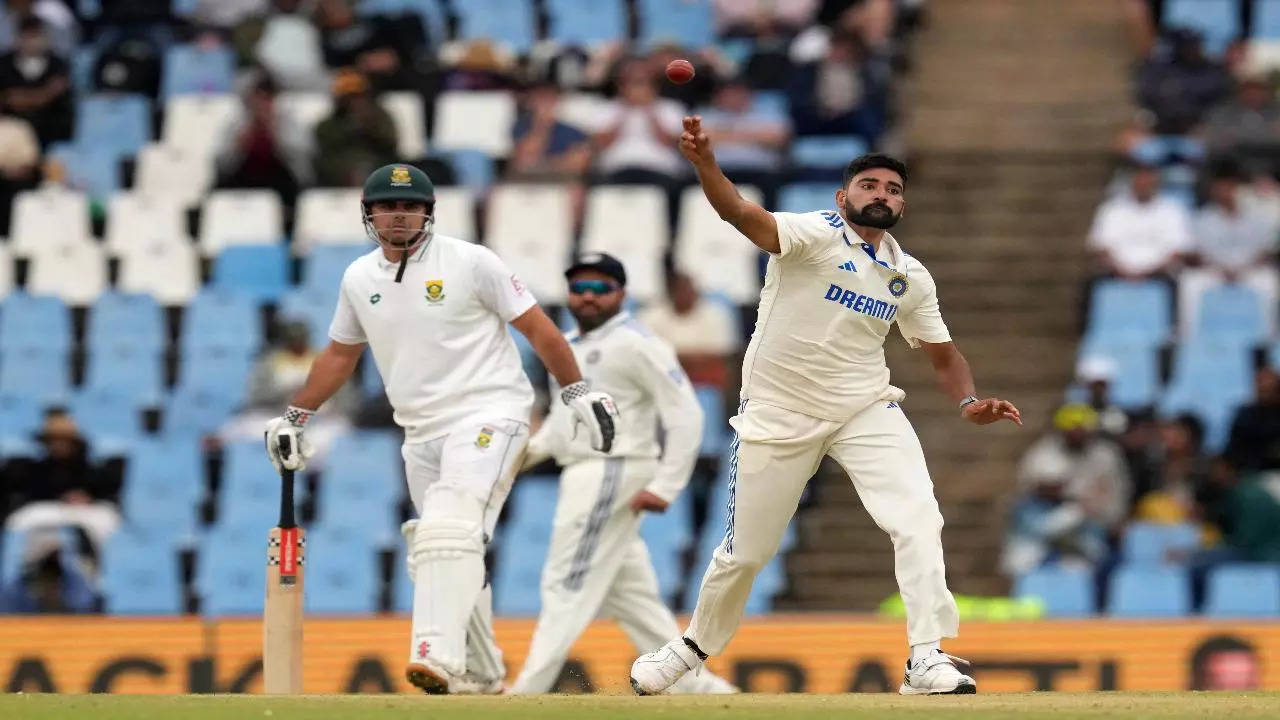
(290, 426)
(595, 410)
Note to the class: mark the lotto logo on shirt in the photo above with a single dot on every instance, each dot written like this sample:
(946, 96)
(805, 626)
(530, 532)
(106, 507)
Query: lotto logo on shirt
(861, 303)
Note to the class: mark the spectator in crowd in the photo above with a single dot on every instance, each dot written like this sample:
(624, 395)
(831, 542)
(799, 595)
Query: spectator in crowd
(63, 487)
(638, 142)
(371, 45)
(750, 141)
(735, 18)
(1075, 492)
(58, 19)
(704, 333)
(1249, 123)
(358, 137)
(263, 147)
(1249, 514)
(837, 94)
(289, 48)
(1180, 471)
(1138, 234)
(36, 84)
(228, 13)
(1254, 442)
(1178, 84)
(19, 163)
(480, 66)
(1095, 374)
(546, 148)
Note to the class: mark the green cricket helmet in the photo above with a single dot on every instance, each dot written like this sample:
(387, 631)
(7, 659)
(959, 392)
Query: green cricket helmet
(399, 181)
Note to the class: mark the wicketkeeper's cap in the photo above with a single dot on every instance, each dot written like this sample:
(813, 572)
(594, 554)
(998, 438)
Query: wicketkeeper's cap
(600, 262)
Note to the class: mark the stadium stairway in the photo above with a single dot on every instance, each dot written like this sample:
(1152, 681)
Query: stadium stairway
(1009, 115)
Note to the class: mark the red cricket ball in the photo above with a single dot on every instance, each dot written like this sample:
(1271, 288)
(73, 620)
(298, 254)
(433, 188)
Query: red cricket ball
(680, 71)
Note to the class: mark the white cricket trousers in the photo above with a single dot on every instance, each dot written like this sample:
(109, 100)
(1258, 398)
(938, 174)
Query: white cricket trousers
(464, 476)
(597, 564)
(775, 453)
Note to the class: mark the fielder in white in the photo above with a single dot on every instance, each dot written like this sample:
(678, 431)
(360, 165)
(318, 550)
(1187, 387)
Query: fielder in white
(814, 384)
(597, 564)
(434, 310)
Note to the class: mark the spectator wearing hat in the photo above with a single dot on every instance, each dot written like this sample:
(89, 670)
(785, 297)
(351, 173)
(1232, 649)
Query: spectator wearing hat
(357, 138)
(1095, 374)
(704, 333)
(264, 147)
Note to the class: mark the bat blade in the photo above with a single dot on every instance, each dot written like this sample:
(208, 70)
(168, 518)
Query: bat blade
(282, 611)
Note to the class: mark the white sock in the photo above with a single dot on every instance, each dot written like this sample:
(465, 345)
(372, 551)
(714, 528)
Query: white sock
(923, 650)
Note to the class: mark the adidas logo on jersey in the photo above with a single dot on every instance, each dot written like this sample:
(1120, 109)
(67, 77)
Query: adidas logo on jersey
(848, 265)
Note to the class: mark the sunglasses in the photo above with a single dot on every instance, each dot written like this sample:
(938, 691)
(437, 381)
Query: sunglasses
(595, 287)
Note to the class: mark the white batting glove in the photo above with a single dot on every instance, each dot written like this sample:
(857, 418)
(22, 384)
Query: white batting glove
(289, 426)
(595, 410)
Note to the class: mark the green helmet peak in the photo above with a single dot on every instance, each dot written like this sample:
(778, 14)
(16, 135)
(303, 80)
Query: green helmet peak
(398, 181)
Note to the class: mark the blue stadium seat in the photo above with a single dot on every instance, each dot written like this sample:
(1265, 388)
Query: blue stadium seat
(229, 575)
(772, 102)
(1122, 311)
(715, 438)
(1218, 20)
(586, 22)
(221, 320)
(92, 169)
(189, 69)
(19, 415)
(363, 475)
(135, 320)
(37, 374)
(107, 416)
(1230, 314)
(34, 321)
(668, 535)
(806, 197)
(474, 168)
(115, 122)
(140, 575)
(370, 379)
(250, 492)
(1149, 591)
(164, 482)
(1266, 20)
(1137, 378)
(1156, 543)
(200, 407)
(1065, 591)
(1274, 356)
(1243, 590)
(341, 571)
(1200, 370)
(324, 265)
(259, 271)
(828, 154)
(430, 11)
(518, 576)
(509, 22)
(126, 372)
(770, 581)
(313, 308)
(689, 23)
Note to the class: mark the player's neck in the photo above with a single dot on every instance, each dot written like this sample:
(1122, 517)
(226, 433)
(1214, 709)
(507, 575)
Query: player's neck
(392, 256)
(871, 236)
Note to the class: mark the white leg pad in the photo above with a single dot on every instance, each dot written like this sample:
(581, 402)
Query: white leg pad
(448, 557)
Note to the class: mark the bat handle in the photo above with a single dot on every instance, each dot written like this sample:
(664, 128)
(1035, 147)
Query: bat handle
(287, 519)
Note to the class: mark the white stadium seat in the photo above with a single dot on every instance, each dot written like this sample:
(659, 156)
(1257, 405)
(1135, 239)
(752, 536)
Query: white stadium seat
(135, 218)
(712, 252)
(328, 216)
(582, 110)
(196, 123)
(406, 110)
(72, 269)
(167, 271)
(47, 214)
(456, 213)
(186, 175)
(240, 217)
(474, 120)
(531, 228)
(630, 223)
(6, 271)
(305, 109)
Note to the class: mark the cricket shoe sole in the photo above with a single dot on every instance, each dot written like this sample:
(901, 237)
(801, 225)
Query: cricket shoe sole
(427, 680)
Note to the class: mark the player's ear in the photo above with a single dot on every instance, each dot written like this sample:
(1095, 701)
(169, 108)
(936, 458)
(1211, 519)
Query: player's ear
(840, 197)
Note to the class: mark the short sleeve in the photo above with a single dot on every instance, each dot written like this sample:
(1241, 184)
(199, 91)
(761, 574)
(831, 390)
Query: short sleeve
(1101, 233)
(800, 234)
(923, 323)
(346, 327)
(498, 288)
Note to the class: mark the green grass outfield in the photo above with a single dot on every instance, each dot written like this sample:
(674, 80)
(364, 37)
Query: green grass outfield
(1024, 706)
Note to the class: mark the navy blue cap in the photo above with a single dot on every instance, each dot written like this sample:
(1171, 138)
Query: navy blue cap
(600, 262)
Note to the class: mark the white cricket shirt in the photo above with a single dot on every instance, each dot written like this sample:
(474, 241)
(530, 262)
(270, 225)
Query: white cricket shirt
(639, 369)
(825, 309)
(439, 337)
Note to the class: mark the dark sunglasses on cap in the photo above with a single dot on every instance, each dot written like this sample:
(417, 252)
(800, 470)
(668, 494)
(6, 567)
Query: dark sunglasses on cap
(595, 287)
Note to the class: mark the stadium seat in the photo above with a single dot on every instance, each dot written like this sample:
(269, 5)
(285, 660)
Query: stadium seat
(71, 269)
(1065, 591)
(1230, 314)
(260, 271)
(1243, 590)
(127, 371)
(324, 265)
(240, 217)
(582, 110)
(474, 120)
(517, 578)
(197, 123)
(771, 580)
(342, 572)
(176, 172)
(364, 476)
(1266, 20)
(537, 252)
(135, 219)
(6, 272)
(717, 257)
(221, 319)
(313, 307)
(250, 492)
(37, 321)
(714, 437)
(586, 23)
(505, 22)
(668, 536)
(430, 12)
(229, 575)
(1149, 591)
(115, 122)
(20, 416)
(168, 271)
(1221, 371)
(822, 157)
(200, 407)
(163, 484)
(328, 216)
(474, 169)
(48, 213)
(1155, 543)
(455, 213)
(135, 320)
(42, 374)
(410, 116)
(689, 23)
(1137, 377)
(92, 170)
(805, 197)
(1133, 312)
(1217, 20)
(305, 109)
(140, 575)
(189, 69)
(630, 223)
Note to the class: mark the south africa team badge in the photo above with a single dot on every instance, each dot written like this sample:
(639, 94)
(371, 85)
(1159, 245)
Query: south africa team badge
(485, 437)
(898, 285)
(435, 291)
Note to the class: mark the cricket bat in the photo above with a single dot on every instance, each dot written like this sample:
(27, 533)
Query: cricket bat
(282, 611)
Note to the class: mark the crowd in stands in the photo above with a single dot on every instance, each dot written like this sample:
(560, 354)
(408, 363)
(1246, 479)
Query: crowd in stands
(1160, 476)
(178, 189)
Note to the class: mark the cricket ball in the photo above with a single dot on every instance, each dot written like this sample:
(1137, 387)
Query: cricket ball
(680, 71)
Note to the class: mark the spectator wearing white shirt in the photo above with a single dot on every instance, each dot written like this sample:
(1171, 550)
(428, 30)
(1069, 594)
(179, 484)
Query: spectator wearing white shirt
(704, 333)
(638, 143)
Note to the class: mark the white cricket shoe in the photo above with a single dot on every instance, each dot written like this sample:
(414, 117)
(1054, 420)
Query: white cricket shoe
(937, 674)
(429, 677)
(470, 683)
(706, 683)
(654, 672)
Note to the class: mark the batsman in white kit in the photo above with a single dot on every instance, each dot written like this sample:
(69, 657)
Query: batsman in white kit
(434, 311)
(597, 563)
(815, 384)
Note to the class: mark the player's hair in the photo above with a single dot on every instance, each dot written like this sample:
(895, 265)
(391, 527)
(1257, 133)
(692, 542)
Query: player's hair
(866, 162)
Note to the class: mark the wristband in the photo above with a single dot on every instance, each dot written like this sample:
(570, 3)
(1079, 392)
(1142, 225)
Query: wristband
(574, 391)
(298, 416)
(967, 402)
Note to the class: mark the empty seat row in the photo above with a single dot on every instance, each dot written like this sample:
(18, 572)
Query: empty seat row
(1146, 591)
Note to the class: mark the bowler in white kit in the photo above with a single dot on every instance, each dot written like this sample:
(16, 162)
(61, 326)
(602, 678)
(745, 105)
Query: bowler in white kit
(434, 312)
(815, 384)
(597, 563)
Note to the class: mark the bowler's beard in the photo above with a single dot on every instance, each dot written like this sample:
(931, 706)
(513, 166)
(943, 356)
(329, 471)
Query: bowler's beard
(876, 215)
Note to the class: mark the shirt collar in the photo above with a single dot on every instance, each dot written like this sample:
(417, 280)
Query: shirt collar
(417, 256)
(890, 256)
(609, 325)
